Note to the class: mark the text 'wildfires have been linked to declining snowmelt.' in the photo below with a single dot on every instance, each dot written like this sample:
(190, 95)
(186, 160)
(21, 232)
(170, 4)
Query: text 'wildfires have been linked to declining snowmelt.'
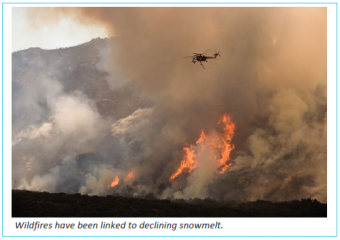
(36, 225)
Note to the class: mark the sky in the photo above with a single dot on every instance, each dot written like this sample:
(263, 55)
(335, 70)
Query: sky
(25, 35)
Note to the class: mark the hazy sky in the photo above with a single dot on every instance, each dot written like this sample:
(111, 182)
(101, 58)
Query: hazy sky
(64, 33)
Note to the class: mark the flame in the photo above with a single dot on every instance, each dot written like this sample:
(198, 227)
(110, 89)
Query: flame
(202, 137)
(129, 176)
(188, 162)
(227, 147)
(114, 182)
(225, 167)
(220, 143)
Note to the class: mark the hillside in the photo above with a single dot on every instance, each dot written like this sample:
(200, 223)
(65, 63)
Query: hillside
(76, 69)
(76, 132)
(43, 80)
(43, 204)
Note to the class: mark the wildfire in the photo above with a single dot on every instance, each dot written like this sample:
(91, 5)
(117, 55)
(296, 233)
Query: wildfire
(114, 182)
(129, 176)
(220, 143)
(188, 162)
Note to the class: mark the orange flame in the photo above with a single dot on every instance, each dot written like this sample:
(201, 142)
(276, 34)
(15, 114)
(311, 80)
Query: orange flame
(115, 182)
(129, 176)
(202, 137)
(227, 147)
(188, 162)
(220, 143)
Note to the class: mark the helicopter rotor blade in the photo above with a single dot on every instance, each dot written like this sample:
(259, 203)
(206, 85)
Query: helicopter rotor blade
(206, 51)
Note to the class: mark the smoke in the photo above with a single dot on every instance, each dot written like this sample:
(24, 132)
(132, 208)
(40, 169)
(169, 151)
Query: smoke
(271, 78)
(73, 126)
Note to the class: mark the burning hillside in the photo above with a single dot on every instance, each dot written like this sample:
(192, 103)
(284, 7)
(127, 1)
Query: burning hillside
(128, 115)
(216, 146)
(220, 144)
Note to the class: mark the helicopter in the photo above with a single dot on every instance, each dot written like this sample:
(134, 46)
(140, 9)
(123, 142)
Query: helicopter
(200, 57)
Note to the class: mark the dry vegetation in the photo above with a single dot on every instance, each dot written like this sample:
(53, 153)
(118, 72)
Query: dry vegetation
(43, 204)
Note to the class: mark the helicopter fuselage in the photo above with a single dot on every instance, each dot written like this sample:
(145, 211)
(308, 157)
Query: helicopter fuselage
(201, 58)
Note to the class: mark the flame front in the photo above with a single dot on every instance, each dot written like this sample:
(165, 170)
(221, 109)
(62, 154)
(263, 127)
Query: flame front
(188, 162)
(220, 143)
(114, 182)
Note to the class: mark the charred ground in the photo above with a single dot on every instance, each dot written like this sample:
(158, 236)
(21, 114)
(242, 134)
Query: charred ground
(44, 204)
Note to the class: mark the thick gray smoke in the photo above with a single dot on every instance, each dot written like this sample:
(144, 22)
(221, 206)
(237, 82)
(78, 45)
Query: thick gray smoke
(271, 78)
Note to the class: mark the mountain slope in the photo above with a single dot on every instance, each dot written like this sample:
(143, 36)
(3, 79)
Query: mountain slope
(75, 68)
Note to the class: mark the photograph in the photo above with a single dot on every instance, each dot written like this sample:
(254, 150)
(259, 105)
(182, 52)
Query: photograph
(169, 112)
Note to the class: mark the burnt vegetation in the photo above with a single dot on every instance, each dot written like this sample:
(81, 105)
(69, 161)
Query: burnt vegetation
(44, 204)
